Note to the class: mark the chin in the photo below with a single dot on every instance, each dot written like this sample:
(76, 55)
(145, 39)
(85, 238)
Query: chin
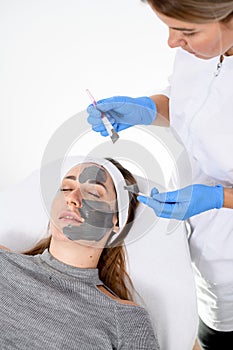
(202, 57)
(199, 55)
(59, 235)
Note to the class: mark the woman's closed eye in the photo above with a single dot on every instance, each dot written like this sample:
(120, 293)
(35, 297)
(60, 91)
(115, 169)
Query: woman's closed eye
(93, 191)
(189, 33)
(96, 195)
(86, 192)
(66, 189)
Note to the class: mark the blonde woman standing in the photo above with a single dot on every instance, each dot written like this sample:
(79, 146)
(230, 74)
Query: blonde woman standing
(198, 104)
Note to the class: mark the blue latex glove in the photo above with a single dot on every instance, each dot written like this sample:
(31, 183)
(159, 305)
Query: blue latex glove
(186, 202)
(122, 112)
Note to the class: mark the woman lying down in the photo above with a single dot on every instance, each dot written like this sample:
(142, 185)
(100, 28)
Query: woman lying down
(72, 291)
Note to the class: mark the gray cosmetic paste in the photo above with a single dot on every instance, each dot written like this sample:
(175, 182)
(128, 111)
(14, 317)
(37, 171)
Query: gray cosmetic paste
(98, 221)
(93, 174)
(98, 215)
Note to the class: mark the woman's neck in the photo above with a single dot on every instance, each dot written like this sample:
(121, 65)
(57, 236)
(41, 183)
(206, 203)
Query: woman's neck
(75, 254)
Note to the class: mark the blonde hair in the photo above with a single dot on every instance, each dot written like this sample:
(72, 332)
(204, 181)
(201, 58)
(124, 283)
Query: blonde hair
(112, 262)
(195, 11)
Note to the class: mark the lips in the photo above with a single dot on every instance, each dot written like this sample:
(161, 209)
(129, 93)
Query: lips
(70, 216)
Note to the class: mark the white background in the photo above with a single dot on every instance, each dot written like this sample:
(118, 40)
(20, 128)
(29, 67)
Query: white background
(52, 50)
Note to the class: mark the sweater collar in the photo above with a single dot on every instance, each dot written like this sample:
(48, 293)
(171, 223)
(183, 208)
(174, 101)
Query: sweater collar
(90, 275)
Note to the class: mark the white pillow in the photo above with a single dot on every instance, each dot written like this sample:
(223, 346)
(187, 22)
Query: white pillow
(24, 220)
(159, 263)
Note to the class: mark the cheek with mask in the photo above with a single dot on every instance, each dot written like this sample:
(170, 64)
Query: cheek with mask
(98, 221)
(98, 215)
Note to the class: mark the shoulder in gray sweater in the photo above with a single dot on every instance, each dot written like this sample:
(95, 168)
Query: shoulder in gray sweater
(45, 304)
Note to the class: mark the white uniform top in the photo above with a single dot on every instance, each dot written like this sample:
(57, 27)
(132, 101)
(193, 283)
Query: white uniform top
(201, 112)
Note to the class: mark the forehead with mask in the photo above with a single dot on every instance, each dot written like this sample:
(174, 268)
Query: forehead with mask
(85, 207)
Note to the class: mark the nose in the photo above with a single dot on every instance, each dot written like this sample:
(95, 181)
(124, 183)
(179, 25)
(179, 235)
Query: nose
(74, 198)
(175, 39)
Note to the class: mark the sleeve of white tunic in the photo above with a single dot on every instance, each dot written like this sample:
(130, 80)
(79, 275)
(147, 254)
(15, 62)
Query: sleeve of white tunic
(134, 329)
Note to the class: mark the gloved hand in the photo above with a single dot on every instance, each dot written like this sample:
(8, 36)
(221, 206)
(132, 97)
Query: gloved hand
(186, 202)
(122, 112)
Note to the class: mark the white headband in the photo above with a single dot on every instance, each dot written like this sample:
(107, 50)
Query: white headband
(117, 178)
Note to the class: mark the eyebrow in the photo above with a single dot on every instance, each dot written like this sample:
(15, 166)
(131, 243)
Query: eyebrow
(74, 178)
(183, 29)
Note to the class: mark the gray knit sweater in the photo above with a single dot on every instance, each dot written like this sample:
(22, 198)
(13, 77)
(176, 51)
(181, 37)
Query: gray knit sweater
(45, 304)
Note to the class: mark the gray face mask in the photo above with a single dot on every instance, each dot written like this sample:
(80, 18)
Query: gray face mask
(98, 215)
(98, 221)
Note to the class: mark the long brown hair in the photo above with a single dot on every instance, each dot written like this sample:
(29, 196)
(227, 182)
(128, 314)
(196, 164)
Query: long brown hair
(195, 11)
(112, 262)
